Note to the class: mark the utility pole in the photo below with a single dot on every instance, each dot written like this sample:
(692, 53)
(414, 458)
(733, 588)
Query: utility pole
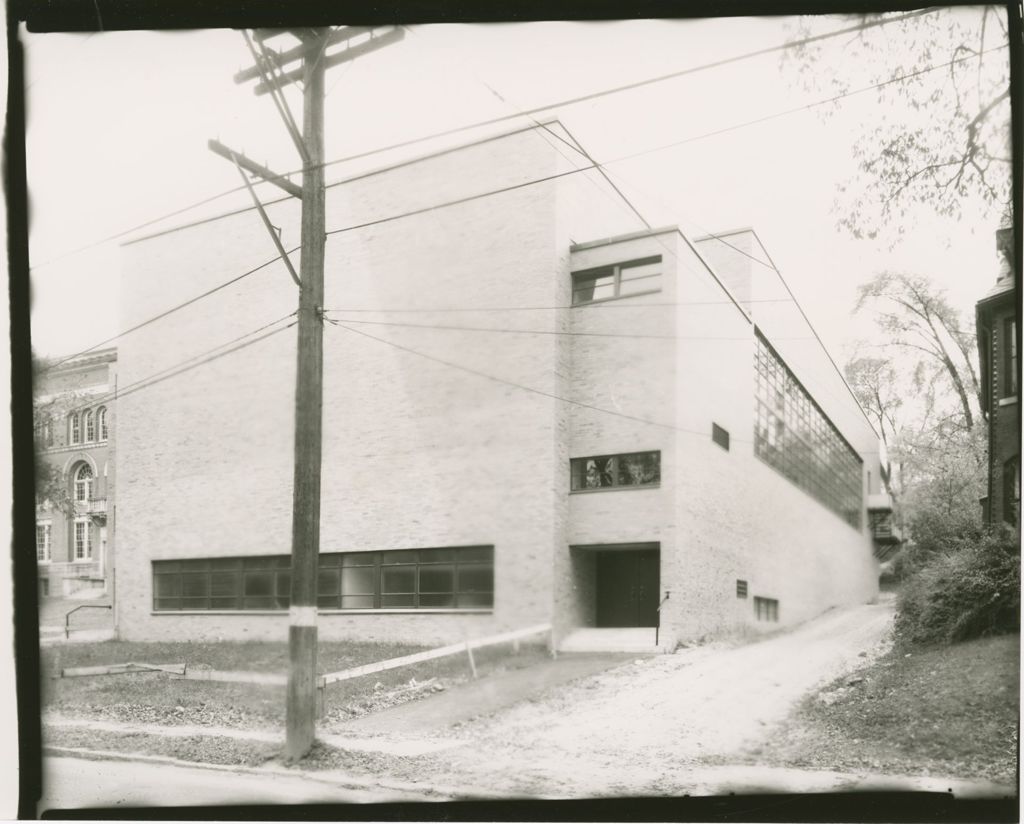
(271, 68)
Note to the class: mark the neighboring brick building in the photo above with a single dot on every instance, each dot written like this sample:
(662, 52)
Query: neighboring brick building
(998, 345)
(621, 431)
(74, 429)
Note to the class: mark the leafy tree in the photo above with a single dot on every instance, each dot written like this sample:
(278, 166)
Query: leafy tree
(918, 319)
(942, 137)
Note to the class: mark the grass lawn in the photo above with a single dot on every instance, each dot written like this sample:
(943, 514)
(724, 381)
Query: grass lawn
(950, 711)
(161, 699)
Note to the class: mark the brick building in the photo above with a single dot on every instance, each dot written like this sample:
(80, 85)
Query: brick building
(521, 424)
(74, 428)
(998, 342)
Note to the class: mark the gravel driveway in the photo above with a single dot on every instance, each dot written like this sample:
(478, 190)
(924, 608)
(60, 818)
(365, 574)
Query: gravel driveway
(637, 728)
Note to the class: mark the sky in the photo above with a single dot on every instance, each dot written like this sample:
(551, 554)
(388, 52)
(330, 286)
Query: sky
(117, 126)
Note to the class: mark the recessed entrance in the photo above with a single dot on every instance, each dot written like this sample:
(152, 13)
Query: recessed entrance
(627, 587)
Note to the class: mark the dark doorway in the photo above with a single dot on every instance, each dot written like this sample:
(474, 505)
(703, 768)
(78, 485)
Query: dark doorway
(627, 587)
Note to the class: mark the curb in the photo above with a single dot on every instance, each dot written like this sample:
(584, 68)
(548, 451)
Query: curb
(333, 778)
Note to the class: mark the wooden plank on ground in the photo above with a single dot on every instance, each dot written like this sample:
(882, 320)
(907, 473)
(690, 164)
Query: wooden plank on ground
(122, 669)
(236, 677)
(430, 654)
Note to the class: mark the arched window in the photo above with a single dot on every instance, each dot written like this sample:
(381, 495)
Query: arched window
(83, 483)
(89, 426)
(74, 429)
(101, 422)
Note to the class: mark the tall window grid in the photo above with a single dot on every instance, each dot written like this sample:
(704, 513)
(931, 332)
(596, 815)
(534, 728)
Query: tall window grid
(83, 483)
(101, 422)
(43, 547)
(793, 435)
(83, 540)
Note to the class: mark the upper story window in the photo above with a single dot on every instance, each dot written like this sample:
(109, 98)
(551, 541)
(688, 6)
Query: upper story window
(89, 425)
(1010, 360)
(101, 422)
(636, 277)
(83, 483)
(606, 471)
(74, 429)
(795, 437)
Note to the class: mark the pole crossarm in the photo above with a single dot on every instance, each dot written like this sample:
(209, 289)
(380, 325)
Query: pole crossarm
(233, 156)
(283, 58)
(376, 41)
(280, 181)
(269, 73)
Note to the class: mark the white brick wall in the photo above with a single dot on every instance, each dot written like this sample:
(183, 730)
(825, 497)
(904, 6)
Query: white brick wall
(419, 454)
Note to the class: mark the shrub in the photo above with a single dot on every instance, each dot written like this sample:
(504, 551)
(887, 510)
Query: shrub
(968, 591)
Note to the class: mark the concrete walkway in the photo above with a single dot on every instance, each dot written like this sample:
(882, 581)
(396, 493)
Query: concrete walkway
(483, 697)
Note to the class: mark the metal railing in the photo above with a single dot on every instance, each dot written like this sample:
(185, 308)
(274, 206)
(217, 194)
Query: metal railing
(67, 617)
(657, 625)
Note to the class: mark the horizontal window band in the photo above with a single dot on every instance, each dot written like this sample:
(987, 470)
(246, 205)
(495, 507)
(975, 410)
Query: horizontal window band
(284, 613)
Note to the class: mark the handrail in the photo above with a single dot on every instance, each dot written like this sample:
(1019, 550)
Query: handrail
(657, 625)
(67, 616)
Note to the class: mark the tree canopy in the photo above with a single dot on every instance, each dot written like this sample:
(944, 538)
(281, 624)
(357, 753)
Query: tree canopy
(941, 137)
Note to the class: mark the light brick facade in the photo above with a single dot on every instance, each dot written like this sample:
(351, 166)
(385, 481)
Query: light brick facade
(431, 452)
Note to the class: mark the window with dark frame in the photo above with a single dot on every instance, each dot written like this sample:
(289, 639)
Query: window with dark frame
(720, 436)
(1010, 360)
(741, 588)
(635, 277)
(629, 469)
(766, 609)
(795, 437)
(434, 578)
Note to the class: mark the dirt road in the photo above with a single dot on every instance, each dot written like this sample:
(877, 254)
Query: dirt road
(635, 729)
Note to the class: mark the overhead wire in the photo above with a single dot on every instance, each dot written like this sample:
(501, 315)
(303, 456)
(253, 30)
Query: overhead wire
(556, 332)
(486, 375)
(494, 121)
(165, 313)
(184, 365)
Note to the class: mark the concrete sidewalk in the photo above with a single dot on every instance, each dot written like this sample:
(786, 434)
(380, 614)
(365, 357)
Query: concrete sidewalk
(482, 697)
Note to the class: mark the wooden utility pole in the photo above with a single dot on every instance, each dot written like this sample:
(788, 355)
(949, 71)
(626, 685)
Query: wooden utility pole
(309, 390)
(272, 71)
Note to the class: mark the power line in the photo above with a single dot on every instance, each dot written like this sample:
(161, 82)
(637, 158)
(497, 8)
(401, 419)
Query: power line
(534, 110)
(165, 313)
(589, 306)
(182, 366)
(522, 387)
(456, 202)
(453, 328)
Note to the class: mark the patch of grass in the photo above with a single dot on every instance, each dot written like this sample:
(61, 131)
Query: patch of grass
(944, 711)
(158, 698)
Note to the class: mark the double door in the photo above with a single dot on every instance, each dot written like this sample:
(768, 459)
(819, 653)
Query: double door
(627, 587)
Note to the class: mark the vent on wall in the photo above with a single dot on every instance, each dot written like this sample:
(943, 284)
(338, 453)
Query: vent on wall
(741, 588)
(720, 436)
